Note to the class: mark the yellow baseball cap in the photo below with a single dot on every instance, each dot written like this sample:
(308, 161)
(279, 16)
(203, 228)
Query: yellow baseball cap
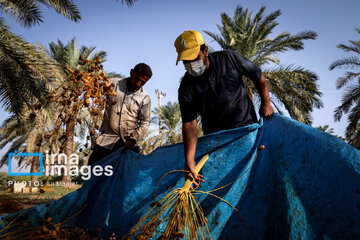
(188, 45)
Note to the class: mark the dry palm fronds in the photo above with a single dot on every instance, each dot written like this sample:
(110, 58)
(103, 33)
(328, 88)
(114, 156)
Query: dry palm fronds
(178, 215)
(177, 210)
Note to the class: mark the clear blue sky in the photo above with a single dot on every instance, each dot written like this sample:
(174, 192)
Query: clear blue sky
(146, 33)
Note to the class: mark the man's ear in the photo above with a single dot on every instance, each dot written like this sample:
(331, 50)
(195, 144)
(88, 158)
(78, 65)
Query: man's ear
(131, 72)
(206, 51)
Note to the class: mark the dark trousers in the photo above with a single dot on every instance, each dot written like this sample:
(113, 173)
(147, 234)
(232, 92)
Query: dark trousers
(101, 152)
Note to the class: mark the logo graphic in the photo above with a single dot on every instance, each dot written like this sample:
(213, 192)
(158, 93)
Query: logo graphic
(61, 165)
(15, 153)
(183, 44)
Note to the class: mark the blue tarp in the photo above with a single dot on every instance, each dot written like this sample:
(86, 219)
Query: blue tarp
(304, 185)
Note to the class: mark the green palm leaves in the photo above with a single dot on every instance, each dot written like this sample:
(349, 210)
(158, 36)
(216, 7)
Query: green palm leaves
(293, 87)
(69, 54)
(28, 12)
(24, 71)
(26, 74)
(170, 133)
(170, 117)
(351, 99)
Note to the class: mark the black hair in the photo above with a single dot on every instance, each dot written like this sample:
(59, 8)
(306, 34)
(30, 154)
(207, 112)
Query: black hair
(144, 69)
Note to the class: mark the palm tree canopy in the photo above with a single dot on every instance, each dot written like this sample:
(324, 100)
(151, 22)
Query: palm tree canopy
(248, 34)
(350, 102)
(69, 54)
(170, 132)
(170, 118)
(28, 13)
(24, 71)
(170, 115)
(23, 137)
(326, 128)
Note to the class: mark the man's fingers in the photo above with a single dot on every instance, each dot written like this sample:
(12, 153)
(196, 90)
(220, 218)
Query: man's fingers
(200, 178)
(196, 184)
(197, 179)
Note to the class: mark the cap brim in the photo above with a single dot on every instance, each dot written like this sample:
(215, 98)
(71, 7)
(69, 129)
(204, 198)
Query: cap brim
(190, 54)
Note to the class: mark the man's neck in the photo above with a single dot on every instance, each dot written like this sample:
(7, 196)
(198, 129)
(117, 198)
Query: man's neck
(128, 86)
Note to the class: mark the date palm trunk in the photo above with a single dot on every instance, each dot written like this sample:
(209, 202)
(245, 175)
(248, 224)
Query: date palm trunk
(36, 145)
(68, 148)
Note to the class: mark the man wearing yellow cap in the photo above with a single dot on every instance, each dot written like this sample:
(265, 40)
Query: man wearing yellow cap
(213, 88)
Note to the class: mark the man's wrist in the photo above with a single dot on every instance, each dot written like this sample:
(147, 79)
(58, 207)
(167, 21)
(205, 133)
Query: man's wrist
(265, 102)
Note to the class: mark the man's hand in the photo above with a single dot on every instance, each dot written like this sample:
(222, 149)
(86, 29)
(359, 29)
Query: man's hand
(266, 110)
(190, 166)
(129, 144)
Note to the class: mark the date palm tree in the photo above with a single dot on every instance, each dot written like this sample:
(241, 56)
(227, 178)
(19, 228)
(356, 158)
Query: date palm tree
(68, 55)
(170, 132)
(350, 103)
(27, 137)
(292, 86)
(28, 13)
(329, 130)
(26, 72)
(170, 117)
(326, 128)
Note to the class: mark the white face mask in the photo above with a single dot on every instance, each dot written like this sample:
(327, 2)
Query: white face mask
(196, 68)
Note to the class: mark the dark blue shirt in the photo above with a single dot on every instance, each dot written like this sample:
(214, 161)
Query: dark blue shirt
(218, 95)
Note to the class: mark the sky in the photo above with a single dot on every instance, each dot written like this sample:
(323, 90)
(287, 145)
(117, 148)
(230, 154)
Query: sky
(146, 33)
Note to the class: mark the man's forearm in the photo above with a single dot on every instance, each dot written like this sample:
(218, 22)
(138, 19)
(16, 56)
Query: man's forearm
(190, 140)
(266, 110)
(263, 90)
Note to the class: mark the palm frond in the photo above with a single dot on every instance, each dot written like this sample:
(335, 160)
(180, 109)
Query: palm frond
(129, 3)
(347, 63)
(15, 146)
(296, 88)
(349, 76)
(25, 71)
(248, 34)
(66, 8)
(354, 47)
(351, 96)
(27, 13)
(350, 100)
